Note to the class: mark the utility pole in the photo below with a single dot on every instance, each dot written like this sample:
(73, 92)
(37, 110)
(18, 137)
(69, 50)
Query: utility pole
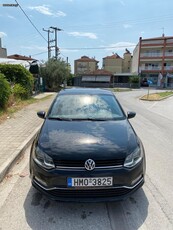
(48, 40)
(56, 41)
(65, 80)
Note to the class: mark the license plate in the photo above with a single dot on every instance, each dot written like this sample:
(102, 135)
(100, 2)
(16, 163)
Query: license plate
(90, 182)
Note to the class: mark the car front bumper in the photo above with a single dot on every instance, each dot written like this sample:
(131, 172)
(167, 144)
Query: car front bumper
(53, 183)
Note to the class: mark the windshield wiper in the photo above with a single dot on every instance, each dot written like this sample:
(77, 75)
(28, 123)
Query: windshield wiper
(80, 119)
(60, 118)
(89, 119)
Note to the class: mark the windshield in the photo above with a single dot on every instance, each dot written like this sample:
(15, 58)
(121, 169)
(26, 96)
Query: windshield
(94, 107)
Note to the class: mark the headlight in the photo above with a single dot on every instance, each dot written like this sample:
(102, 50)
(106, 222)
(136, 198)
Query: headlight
(43, 159)
(135, 157)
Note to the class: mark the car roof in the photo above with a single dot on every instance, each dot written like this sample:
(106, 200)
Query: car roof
(94, 91)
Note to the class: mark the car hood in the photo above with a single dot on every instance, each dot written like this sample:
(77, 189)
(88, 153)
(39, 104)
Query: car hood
(87, 139)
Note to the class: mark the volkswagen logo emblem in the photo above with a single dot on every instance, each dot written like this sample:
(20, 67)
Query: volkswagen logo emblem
(89, 164)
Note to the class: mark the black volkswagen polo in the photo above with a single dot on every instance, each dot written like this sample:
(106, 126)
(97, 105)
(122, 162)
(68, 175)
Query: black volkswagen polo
(86, 149)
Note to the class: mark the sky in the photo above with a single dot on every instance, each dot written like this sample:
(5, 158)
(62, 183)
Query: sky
(93, 28)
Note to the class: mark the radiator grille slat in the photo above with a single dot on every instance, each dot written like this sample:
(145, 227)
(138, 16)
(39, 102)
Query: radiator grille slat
(81, 163)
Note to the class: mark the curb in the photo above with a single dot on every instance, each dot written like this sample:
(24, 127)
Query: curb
(6, 166)
(161, 99)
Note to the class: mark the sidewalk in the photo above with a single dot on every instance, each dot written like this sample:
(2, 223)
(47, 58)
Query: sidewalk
(17, 132)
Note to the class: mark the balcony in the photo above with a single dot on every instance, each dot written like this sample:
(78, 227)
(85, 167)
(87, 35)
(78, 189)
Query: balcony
(169, 41)
(153, 42)
(168, 67)
(151, 55)
(157, 68)
(168, 54)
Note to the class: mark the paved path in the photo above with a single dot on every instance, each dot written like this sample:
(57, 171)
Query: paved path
(17, 132)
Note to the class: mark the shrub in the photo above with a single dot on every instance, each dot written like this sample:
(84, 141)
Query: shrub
(19, 91)
(134, 79)
(5, 91)
(17, 74)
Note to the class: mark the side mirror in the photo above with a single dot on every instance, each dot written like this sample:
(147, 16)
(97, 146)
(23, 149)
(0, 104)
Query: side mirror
(41, 114)
(131, 115)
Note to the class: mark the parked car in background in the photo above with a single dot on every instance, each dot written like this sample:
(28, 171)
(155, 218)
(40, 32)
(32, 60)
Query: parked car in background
(144, 82)
(87, 149)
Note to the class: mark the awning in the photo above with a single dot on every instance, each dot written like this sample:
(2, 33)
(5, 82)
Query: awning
(26, 64)
(96, 78)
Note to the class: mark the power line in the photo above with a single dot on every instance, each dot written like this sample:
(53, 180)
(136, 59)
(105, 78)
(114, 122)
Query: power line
(30, 21)
(39, 53)
(63, 55)
(99, 48)
(90, 48)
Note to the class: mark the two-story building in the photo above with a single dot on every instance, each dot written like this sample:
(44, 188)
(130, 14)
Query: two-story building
(115, 71)
(85, 65)
(153, 59)
(113, 63)
(118, 65)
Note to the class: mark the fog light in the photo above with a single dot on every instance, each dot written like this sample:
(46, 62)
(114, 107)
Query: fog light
(136, 180)
(40, 181)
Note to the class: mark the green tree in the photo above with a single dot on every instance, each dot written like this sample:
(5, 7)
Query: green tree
(54, 73)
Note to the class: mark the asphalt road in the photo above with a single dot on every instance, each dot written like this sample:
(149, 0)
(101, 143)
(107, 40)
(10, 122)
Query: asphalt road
(22, 207)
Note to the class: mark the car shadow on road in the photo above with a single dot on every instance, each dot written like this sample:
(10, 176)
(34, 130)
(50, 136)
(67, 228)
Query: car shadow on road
(42, 213)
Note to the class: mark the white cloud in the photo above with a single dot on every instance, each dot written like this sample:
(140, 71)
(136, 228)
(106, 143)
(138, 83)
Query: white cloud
(10, 16)
(44, 9)
(2, 34)
(60, 14)
(126, 26)
(83, 34)
(41, 9)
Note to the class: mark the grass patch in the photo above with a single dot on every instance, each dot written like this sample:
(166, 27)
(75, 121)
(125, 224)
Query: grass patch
(121, 89)
(157, 96)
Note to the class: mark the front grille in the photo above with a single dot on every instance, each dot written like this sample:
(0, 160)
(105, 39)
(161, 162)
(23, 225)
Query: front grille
(95, 193)
(81, 163)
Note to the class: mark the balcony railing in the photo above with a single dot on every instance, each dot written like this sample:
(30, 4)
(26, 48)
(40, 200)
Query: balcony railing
(151, 55)
(169, 41)
(168, 67)
(168, 54)
(155, 42)
(151, 68)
